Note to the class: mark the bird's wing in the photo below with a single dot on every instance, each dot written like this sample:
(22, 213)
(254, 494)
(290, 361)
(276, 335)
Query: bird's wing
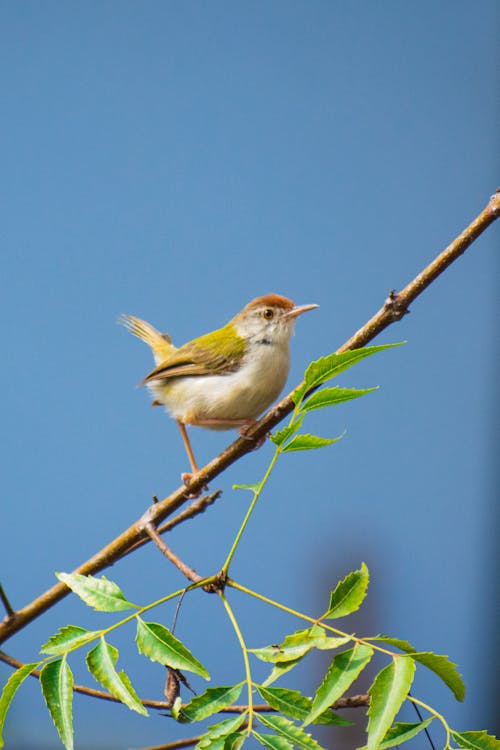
(213, 354)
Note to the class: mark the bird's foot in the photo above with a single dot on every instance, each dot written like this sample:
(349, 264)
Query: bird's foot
(243, 430)
(186, 477)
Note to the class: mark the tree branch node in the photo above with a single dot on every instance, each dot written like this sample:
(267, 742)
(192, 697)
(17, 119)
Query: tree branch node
(395, 306)
(495, 202)
(218, 583)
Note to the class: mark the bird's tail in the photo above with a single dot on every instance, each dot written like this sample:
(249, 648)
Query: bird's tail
(160, 343)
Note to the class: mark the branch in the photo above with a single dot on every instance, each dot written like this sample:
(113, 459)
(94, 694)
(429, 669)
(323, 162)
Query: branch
(190, 574)
(354, 701)
(393, 310)
(197, 507)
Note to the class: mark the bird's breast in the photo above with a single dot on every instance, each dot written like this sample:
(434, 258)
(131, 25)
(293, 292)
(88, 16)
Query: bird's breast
(244, 394)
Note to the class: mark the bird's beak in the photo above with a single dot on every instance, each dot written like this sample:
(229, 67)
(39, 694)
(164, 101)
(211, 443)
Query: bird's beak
(299, 309)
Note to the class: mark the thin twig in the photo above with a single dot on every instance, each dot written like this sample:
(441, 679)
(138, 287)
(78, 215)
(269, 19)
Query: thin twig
(190, 574)
(177, 745)
(7, 605)
(393, 310)
(426, 730)
(355, 701)
(196, 508)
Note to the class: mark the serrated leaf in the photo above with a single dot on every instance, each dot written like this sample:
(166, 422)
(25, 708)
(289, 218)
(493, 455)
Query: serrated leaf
(440, 664)
(477, 740)
(443, 668)
(397, 642)
(279, 670)
(401, 732)
(11, 687)
(100, 593)
(273, 741)
(234, 741)
(279, 437)
(217, 732)
(291, 732)
(328, 644)
(328, 367)
(157, 643)
(387, 692)
(56, 680)
(101, 662)
(342, 672)
(306, 442)
(210, 702)
(333, 396)
(297, 644)
(67, 638)
(297, 706)
(207, 744)
(348, 594)
(251, 487)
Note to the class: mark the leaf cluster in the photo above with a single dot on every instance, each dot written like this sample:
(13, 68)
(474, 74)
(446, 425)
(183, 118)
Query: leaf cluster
(289, 714)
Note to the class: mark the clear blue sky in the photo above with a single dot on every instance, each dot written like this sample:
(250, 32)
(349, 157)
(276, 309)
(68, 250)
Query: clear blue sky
(174, 160)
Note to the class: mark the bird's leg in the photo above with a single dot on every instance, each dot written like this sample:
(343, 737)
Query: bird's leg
(242, 424)
(186, 476)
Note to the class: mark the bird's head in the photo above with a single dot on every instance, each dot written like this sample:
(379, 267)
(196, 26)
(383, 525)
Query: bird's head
(269, 319)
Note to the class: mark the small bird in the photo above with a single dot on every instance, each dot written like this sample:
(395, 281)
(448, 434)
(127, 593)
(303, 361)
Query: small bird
(226, 378)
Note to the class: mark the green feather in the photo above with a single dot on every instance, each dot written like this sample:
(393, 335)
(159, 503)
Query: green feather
(216, 353)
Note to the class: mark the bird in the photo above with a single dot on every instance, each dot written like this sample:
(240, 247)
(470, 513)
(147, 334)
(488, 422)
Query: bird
(224, 379)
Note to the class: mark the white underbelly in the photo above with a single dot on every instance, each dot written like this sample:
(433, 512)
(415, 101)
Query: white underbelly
(242, 395)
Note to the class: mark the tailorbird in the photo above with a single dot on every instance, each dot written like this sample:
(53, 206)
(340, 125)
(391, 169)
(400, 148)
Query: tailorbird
(226, 378)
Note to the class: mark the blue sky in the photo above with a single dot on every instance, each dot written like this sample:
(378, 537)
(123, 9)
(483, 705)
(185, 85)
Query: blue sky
(174, 160)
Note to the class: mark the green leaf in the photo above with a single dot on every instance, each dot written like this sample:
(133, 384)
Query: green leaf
(210, 702)
(341, 673)
(234, 741)
(387, 693)
(66, 639)
(397, 642)
(328, 367)
(11, 687)
(279, 670)
(308, 442)
(273, 741)
(401, 732)
(333, 396)
(157, 643)
(443, 668)
(278, 438)
(100, 593)
(348, 594)
(297, 706)
(290, 731)
(217, 732)
(478, 740)
(297, 644)
(251, 487)
(56, 680)
(101, 662)
(208, 744)
(437, 663)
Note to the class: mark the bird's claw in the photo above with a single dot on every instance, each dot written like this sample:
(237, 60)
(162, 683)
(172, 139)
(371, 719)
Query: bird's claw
(186, 477)
(242, 432)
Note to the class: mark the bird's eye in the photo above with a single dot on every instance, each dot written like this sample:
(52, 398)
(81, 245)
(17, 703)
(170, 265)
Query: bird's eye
(267, 313)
